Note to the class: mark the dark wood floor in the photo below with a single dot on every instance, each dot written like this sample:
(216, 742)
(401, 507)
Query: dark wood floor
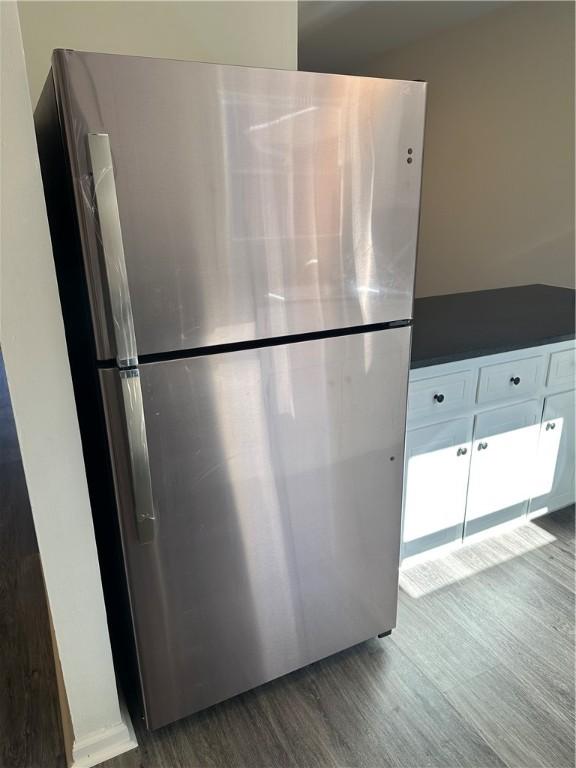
(30, 730)
(479, 672)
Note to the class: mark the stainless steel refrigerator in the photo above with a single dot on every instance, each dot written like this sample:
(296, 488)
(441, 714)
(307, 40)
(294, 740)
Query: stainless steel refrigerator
(235, 250)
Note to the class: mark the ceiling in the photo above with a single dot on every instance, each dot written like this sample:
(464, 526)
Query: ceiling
(341, 36)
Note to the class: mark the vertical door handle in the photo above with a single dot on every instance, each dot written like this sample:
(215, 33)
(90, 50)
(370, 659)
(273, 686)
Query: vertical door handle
(138, 449)
(113, 248)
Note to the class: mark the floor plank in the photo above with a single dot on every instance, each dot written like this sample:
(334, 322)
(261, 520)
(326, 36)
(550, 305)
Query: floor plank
(515, 720)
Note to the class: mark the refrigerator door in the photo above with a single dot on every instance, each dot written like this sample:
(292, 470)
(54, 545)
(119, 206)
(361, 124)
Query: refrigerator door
(277, 478)
(238, 203)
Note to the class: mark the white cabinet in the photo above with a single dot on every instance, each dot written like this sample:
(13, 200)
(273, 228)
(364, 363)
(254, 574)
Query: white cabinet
(554, 472)
(435, 481)
(502, 465)
(489, 440)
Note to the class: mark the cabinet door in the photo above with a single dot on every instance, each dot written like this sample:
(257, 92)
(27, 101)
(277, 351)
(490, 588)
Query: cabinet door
(502, 463)
(435, 482)
(554, 471)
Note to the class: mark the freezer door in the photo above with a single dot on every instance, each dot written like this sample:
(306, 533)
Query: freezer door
(245, 203)
(276, 477)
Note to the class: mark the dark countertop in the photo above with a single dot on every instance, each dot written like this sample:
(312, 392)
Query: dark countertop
(464, 325)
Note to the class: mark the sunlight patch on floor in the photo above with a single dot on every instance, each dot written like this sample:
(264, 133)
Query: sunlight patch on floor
(426, 577)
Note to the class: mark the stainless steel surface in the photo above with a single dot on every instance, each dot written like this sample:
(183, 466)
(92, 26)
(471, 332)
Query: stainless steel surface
(277, 477)
(138, 453)
(253, 203)
(112, 249)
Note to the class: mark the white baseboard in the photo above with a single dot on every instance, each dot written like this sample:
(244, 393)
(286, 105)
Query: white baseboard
(104, 744)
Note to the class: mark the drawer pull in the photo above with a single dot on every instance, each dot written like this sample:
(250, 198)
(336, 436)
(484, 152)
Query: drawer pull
(439, 398)
(550, 425)
(482, 446)
(461, 451)
(515, 380)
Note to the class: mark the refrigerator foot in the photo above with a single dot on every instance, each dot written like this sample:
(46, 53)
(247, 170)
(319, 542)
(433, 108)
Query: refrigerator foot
(385, 634)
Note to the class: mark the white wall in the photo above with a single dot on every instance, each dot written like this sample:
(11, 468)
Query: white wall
(498, 190)
(34, 350)
(259, 34)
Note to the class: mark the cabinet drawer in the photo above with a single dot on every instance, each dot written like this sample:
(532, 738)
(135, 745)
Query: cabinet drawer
(562, 368)
(514, 378)
(440, 394)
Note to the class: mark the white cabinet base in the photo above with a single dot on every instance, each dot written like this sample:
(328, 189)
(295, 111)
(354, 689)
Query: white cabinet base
(511, 416)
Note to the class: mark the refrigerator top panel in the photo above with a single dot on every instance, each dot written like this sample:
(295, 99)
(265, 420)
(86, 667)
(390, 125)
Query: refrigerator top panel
(222, 204)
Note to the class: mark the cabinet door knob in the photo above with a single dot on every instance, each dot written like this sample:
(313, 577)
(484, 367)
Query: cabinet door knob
(482, 446)
(439, 398)
(515, 380)
(550, 425)
(461, 451)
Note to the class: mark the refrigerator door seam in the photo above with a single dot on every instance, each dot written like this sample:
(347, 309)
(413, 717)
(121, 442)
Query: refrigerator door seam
(271, 341)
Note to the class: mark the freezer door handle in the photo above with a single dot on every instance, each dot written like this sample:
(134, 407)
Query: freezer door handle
(138, 449)
(113, 248)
